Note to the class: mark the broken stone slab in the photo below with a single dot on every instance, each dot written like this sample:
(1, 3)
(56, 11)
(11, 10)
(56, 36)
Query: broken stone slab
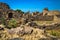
(27, 30)
(15, 30)
(11, 31)
(19, 30)
(16, 39)
(48, 39)
(32, 24)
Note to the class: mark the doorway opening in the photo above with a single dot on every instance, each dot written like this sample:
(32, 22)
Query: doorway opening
(10, 15)
(0, 14)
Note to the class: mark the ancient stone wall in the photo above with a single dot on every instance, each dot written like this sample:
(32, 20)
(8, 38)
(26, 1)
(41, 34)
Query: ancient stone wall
(44, 18)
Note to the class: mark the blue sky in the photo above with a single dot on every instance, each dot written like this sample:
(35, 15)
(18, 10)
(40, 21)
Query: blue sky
(33, 5)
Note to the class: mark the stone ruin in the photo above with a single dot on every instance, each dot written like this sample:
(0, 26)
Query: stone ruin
(46, 15)
(8, 13)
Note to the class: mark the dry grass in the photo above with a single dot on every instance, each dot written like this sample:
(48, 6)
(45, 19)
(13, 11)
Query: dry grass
(44, 22)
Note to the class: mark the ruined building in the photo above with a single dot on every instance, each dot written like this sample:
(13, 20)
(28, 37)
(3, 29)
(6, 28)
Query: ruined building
(45, 11)
(7, 13)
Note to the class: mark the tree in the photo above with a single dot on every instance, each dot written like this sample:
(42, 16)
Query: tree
(20, 11)
(46, 9)
(28, 12)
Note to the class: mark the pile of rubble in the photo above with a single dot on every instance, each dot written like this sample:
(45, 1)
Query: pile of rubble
(30, 31)
(27, 33)
(20, 30)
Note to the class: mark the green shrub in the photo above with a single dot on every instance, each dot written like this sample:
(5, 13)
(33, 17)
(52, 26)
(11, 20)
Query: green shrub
(55, 33)
(2, 20)
(12, 23)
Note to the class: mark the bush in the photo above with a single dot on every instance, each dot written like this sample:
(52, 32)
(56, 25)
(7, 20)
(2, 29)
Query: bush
(55, 33)
(12, 23)
(2, 20)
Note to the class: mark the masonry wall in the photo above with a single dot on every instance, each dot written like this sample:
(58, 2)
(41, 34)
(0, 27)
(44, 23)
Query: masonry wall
(44, 18)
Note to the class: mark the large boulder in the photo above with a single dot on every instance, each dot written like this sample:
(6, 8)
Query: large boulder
(15, 30)
(19, 30)
(27, 30)
(11, 31)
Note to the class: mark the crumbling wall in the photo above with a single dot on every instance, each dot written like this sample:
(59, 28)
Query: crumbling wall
(44, 18)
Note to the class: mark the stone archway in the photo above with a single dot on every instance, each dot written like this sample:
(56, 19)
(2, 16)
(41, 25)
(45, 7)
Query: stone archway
(10, 15)
(0, 14)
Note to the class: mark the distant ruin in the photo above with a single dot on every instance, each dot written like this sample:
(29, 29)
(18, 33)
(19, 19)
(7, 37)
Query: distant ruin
(46, 15)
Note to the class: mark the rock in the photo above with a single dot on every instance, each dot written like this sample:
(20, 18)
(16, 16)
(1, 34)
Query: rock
(18, 29)
(27, 30)
(48, 39)
(11, 31)
(27, 23)
(1, 27)
(15, 30)
(54, 38)
(17, 39)
(43, 39)
(33, 24)
(24, 21)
